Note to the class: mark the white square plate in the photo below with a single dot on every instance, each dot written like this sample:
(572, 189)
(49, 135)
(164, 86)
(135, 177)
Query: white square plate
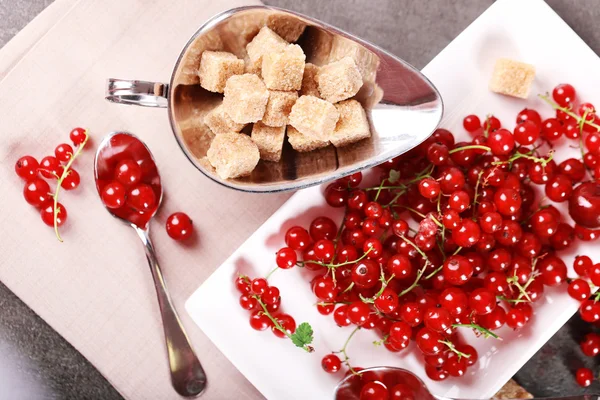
(523, 30)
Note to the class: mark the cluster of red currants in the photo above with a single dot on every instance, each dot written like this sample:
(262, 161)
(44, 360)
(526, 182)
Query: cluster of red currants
(264, 302)
(58, 167)
(484, 247)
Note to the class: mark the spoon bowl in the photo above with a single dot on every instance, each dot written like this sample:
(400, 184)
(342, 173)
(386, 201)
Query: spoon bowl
(187, 375)
(402, 105)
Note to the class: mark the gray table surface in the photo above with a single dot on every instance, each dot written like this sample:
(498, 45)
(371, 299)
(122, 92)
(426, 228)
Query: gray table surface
(37, 363)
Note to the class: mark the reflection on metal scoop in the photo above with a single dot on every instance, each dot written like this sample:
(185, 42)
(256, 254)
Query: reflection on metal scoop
(187, 376)
(349, 388)
(403, 107)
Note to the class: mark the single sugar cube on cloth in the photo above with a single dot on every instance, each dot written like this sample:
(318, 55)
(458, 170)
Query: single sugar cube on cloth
(512, 78)
(352, 126)
(233, 155)
(314, 117)
(266, 41)
(279, 107)
(309, 81)
(303, 143)
(269, 140)
(289, 28)
(284, 70)
(339, 80)
(220, 122)
(216, 67)
(246, 98)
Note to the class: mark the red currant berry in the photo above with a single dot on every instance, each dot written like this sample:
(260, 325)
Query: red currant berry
(507, 201)
(49, 167)
(259, 321)
(36, 192)
(242, 284)
(365, 274)
(331, 363)
(589, 310)
(437, 319)
(552, 129)
(582, 264)
(501, 142)
(179, 226)
(428, 341)
(78, 136)
(374, 390)
(471, 123)
(590, 346)
(584, 377)
(340, 315)
(325, 289)
(71, 180)
(429, 188)
(128, 172)
(457, 270)
(323, 228)
(27, 167)
(528, 114)
(482, 301)
(259, 285)
(248, 302)
(297, 238)
(286, 258)
(113, 195)
(47, 213)
(559, 188)
(553, 269)
(287, 323)
(141, 198)
(526, 133)
(466, 234)
(63, 152)
(387, 301)
(563, 94)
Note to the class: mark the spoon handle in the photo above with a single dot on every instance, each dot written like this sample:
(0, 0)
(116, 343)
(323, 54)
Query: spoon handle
(187, 376)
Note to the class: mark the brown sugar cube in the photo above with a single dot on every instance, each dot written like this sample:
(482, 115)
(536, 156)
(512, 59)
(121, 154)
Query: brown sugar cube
(289, 28)
(366, 61)
(284, 70)
(216, 67)
(339, 80)
(314, 117)
(233, 155)
(512, 78)
(269, 140)
(304, 143)
(245, 98)
(352, 125)
(220, 122)
(266, 41)
(279, 107)
(309, 81)
(252, 67)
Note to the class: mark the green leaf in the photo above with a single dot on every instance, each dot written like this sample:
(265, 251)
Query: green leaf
(394, 176)
(303, 335)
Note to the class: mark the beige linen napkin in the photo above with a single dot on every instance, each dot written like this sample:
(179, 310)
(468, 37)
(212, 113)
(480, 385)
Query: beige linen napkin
(95, 289)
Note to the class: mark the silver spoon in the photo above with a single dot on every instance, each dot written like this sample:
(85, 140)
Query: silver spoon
(402, 105)
(187, 376)
(349, 388)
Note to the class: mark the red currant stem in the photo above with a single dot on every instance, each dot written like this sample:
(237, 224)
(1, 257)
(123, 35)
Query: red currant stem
(277, 325)
(415, 283)
(566, 110)
(477, 188)
(486, 130)
(382, 341)
(469, 147)
(457, 251)
(411, 209)
(434, 273)
(343, 351)
(522, 289)
(331, 265)
(325, 303)
(384, 283)
(379, 190)
(396, 197)
(438, 223)
(244, 277)
(541, 160)
(271, 273)
(341, 228)
(486, 332)
(65, 173)
(424, 173)
(541, 207)
(417, 249)
(349, 288)
(506, 299)
(453, 349)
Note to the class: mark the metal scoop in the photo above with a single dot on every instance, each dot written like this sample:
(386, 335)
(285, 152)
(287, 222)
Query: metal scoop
(187, 376)
(349, 388)
(402, 105)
